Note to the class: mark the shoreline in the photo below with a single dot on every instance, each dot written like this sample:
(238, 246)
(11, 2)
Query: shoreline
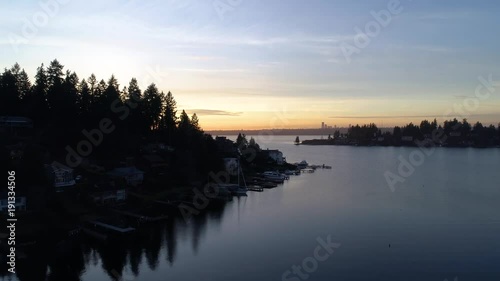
(331, 142)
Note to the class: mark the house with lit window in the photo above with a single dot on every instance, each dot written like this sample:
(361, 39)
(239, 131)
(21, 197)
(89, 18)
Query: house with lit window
(62, 175)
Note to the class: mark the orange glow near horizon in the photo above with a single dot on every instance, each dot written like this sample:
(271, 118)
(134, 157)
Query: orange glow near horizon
(208, 123)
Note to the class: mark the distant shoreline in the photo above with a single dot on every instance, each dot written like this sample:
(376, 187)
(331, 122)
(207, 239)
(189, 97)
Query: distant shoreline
(332, 142)
(283, 132)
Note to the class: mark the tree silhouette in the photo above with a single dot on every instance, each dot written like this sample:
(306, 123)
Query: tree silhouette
(152, 107)
(184, 123)
(10, 100)
(195, 123)
(169, 121)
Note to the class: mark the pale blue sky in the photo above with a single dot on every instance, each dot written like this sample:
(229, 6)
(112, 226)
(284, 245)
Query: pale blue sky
(273, 63)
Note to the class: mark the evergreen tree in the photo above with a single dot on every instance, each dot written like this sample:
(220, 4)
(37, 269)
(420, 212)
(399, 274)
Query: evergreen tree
(241, 141)
(252, 144)
(195, 123)
(134, 101)
(23, 84)
(184, 123)
(170, 112)
(69, 99)
(112, 92)
(152, 107)
(84, 99)
(37, 106)
(55, 90)
(10, 101)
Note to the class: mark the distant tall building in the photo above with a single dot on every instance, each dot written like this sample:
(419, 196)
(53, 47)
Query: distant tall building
(322, 125)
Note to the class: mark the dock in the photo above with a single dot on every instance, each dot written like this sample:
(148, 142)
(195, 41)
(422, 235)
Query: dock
(168, 203)
(255, 188)
(112, 227)
(141, 217)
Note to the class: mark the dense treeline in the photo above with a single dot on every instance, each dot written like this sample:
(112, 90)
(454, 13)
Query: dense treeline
(450, 133)
(63, 106)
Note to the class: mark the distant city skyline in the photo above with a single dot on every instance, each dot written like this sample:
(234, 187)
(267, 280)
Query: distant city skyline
(270, 64)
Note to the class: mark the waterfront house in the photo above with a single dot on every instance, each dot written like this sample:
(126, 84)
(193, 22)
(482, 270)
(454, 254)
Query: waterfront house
(153, 148)
(274, 155)
(62, 175)
(15, 125)
(131, 175)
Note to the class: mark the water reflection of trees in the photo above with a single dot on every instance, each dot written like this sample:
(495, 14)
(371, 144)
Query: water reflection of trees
(69, 259)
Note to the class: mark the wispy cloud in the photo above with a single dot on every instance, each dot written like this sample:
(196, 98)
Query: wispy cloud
(211, 70)
(208, 112)
(382, 117)
(447, 15)
(434, 49)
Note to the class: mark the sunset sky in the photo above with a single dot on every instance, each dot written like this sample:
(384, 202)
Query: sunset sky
(252, 64)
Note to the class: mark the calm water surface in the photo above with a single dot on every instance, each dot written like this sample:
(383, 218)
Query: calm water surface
(442, 222)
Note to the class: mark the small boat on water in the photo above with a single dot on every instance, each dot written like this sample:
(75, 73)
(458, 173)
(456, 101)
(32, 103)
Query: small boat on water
(292, 172)
(236, 189)
(256, 188)
(264, 183)
(275, 176)
(303, 165)
(297, 141)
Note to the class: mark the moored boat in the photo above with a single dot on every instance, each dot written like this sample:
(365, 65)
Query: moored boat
(274, 176)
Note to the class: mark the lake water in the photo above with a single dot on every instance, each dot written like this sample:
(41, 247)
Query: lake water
(442, 222)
